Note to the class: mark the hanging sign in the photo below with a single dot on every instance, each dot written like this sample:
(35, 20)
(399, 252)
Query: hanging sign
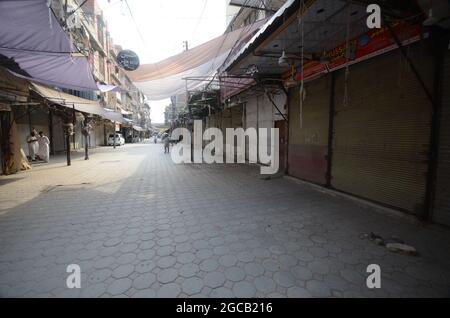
(117, 126)
(128, 60)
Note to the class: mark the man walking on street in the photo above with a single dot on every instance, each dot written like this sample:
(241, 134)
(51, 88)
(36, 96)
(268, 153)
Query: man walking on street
(166, 143)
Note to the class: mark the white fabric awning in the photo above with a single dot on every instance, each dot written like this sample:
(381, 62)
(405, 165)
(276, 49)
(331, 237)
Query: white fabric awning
(138, 128)
(123, 111)
(78, 103)
(166, 78)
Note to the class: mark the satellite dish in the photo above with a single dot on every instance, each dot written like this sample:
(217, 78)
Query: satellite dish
(128, 60)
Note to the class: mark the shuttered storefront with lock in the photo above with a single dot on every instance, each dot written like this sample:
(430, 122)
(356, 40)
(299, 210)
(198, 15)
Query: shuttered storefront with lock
(308, 140)
(441, 211)
(382, 133)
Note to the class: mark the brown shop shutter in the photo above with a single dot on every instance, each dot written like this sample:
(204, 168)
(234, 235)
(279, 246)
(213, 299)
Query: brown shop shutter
(308, 143)
(441, 212)
(226, 120)
(236, 116)
(212, 120)
(381, 136)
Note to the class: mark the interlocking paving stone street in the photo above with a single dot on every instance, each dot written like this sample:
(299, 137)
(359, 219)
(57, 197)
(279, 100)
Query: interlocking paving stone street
(140, 226)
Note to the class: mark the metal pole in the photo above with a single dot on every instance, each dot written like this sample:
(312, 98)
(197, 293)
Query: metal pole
(275, 105)
(29, 117)
(74, 122)
(409, 61)
(68, 149)
(86, 148)
(114, 136)
(50, 130)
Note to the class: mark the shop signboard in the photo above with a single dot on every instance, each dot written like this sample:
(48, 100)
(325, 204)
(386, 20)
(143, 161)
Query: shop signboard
(370, 44)
(128, 60)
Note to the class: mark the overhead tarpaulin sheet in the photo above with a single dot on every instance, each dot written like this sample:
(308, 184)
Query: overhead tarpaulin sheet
(78, 103)
(127, 122)
(35, 47)
(105, 88)
(138, 128)
(166, 78)
(112, 115)
(124, 112)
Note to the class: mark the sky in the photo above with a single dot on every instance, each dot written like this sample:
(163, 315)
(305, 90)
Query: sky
(160, 28)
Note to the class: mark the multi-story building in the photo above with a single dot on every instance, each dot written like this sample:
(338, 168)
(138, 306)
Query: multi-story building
(89, 31)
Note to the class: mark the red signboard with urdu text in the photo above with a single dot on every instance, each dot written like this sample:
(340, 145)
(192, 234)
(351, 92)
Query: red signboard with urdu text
(372, 43)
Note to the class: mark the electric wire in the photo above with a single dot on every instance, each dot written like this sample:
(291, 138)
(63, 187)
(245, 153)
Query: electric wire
(199, 20)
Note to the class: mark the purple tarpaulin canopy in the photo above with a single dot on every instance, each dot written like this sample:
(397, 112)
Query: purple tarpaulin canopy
(31, 36)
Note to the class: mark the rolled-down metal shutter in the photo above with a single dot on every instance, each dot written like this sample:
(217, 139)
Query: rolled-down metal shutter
(212, 120)
(308, 141)
(251, 113)
(381, 135)
(251, 118)
(236, 116)
(218, 120)
(226, 120)
(441, 213)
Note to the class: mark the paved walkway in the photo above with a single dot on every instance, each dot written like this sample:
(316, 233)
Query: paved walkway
(140, 226)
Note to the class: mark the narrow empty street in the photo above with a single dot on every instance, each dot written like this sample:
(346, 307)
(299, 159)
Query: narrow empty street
(140, 226)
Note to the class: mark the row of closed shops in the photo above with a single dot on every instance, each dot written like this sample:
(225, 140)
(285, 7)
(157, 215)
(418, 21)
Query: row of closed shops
(41, 118)
(370, 135)
(253, 111)
(364, 131)
(26, 107)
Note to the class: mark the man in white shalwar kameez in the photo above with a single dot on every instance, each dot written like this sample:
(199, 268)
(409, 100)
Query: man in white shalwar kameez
(32, 145)
(44, 147)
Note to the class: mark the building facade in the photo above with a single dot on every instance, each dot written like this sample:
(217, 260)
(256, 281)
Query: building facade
(116, 100)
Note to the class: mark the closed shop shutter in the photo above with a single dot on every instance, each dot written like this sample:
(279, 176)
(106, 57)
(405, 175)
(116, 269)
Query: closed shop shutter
(265, 119)
(265, 113)
(308, 143)
(226, 120)
(58, 145)
(212, 120)
(216, 120)
(441, 213)
(251, 118)
(226, 123)
(381, 135)
(251, 113)
(98, 135)
(236, 116)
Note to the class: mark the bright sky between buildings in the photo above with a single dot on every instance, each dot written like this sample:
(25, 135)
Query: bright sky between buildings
(156, 29)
